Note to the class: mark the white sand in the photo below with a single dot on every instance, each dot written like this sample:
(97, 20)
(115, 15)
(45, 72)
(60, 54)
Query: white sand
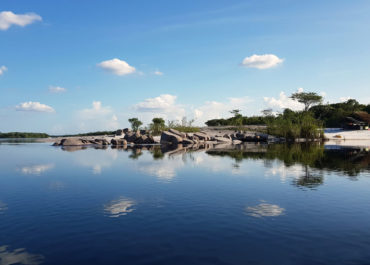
(348, 138)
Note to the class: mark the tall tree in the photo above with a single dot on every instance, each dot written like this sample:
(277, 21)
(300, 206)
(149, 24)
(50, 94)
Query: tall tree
(135, 123)
(158, 125)
(307, 98)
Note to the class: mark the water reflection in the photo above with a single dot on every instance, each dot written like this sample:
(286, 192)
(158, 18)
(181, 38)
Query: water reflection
(36, 169)
(350, 161)
(3, 207)
(120, 207)
(264, 210)
(18, 256)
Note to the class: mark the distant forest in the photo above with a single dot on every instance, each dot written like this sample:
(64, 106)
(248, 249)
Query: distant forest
(330, 115)
(23, 135)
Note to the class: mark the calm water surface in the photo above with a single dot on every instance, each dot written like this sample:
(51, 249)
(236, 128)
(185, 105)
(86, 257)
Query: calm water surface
(246, 205)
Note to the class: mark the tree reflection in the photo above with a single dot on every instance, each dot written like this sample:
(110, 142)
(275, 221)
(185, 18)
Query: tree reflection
(349, 161)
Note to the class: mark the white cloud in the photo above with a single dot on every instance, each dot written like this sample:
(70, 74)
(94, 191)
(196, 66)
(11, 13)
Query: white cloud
(215, 110)
(117, 67)
(97, 118)
(283, 102)
(158, 72)
(264, 61)
(3, 69)
(162, 106)
(34, 106)
(57, 89)
(8, 18)
(344, 99)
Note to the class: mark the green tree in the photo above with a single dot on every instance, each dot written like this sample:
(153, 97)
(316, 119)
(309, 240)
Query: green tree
(158, 125)
(135, 123)
(307, 98)
(237, 120)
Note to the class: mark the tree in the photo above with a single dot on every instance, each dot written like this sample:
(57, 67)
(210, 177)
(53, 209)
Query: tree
(158, 125)
(307, 98)
(267, 112)
(237, 120)
(135, 123)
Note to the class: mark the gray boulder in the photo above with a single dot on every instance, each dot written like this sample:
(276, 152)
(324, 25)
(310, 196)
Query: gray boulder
(119, 132)
(118, 142)
(170, 138)
(187, 142)
(181, 134)
(202, 136)
(72, 142)
(221, 139)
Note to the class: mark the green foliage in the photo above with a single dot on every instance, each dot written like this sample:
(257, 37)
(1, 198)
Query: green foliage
(293, 125)
(334, 115)
(23, 135)
(307, 98)
(157, 126)
(135, 123)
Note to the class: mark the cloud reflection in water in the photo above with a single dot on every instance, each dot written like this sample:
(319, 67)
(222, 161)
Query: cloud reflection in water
(120, 207)
(3, 207)
(18, 256)
(36, 169)
(265, 210)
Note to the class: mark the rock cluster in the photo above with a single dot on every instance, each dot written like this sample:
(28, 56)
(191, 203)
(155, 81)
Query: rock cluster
(175, 137)
(125, 137)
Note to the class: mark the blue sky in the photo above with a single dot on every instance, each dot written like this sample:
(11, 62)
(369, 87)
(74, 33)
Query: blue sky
(75, 66)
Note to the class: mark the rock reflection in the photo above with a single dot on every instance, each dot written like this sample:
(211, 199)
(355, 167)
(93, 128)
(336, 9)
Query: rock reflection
(19, 256)
(36, 169)
(120, 207)
(3, 207)
(264, 210)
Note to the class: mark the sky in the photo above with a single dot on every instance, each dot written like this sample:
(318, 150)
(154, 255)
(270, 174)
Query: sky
(78, 66)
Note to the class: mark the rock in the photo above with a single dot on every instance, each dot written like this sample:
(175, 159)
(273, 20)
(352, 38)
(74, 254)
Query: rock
(170, 138)
(119, 142)
(119, 132)
(72, 142)
(127, 130)
(221, 139)
(141, 139)
(101, 141)
(187, 142)
(143, 132)
(149, 140)
(131, 137)
(57, 143)
(227, 136)
(202, 136)
(237, 142)
(181, 134)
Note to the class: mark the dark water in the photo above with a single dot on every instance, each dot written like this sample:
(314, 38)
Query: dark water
(247, 205)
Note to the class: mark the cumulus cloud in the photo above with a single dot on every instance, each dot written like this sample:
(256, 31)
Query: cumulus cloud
(344, 99)
(283, 102)
(8, 19)
(164, 106)
(264, 61)
(215, 110)
(34, 106)
(158, 72)
(57, 89)
(98, 117)
(3, 69)
(117, 67)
